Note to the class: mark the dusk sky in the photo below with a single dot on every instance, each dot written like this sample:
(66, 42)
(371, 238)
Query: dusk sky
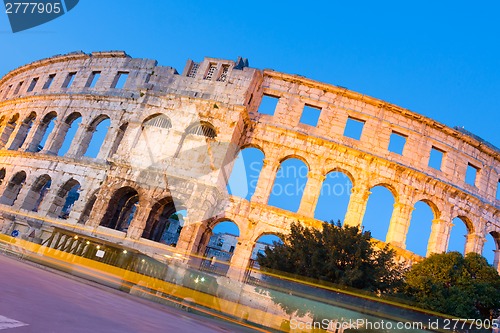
(437, 58)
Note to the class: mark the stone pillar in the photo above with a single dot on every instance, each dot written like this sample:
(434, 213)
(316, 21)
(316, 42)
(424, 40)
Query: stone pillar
(265, 182)
(23, 194)
(56, 138)
(138, 223)
(81, 141)
(240, 259)
(311, 194)
(14, 140)
(100, 207)
(32, 136)
(190, 237)
(357, 206)
(6, 134)
(107, 144)
(400, 222)
(474, 243)
(496, 260)
(440, 236)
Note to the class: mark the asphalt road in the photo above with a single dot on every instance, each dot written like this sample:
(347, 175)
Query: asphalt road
(36, 300)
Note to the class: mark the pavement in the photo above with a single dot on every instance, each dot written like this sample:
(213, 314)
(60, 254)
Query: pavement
(34, 299)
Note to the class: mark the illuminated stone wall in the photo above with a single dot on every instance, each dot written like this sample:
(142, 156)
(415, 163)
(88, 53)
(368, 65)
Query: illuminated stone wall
(172, 139)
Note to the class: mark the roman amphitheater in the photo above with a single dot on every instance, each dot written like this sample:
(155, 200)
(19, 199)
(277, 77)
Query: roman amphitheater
(172, 141)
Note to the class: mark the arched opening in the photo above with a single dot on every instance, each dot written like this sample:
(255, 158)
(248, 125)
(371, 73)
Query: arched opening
(8, 129)
(2, 175)
(196, 140)
(419, 231)
(42, 132)
(67, 133)
(65, 198)
(491, 249)
(221, 245)
(118, 139)
(13, 188)
(334, 197)
(202, 129)
(289, 184)
(154, 129)
(263, 242)
(458, 235)
(94, 138)
(23, 132)
(164, 223)
(36, 193)
(88, 209)
(245, 173)
(378, 212)
(121, 209)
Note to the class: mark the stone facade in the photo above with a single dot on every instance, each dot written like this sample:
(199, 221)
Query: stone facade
(172, 140)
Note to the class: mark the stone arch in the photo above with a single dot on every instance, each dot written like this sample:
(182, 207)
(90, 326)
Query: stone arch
(121, 209)
(165, 222)
(379, 210)
(462, 226)
(118, 138)
(335, 193)
(221, 237)
(196, 142)
(65, 198)
(8, 130)
(13, 188)
(94, 136)
(67, 133)
(159, 120)
(245, 172)
(290, 181)
(155, 128)
(2, 175)
(424, 213)
(43, 130)
(493, 258)
(23, 131)
(37, 193)
(203, 128)
(84, 216)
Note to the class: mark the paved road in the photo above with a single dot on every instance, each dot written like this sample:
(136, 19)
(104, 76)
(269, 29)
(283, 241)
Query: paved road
(36, 300)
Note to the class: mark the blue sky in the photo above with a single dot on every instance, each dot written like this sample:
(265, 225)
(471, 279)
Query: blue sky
(437, 58)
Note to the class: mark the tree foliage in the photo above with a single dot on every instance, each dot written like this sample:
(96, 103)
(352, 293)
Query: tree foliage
(342, 255)
(466, 287)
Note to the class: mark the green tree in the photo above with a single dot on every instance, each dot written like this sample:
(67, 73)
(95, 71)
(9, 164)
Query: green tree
(341, 255)
(465, 287)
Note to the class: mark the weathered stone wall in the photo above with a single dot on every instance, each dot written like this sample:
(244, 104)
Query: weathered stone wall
(207, 114)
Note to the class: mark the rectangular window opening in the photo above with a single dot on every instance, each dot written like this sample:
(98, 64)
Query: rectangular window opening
(268, 104)
(48, 83)
(471, 174)
(354, 128)
(310, 115)
(223, 74)
(436, 158)
(7, 91)
(68, 81)
(397, 143)
(211, 72)
(119, 80)
(18, 87)
(32, 84)
(193, 70)
(498, 190)
(93, 78)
